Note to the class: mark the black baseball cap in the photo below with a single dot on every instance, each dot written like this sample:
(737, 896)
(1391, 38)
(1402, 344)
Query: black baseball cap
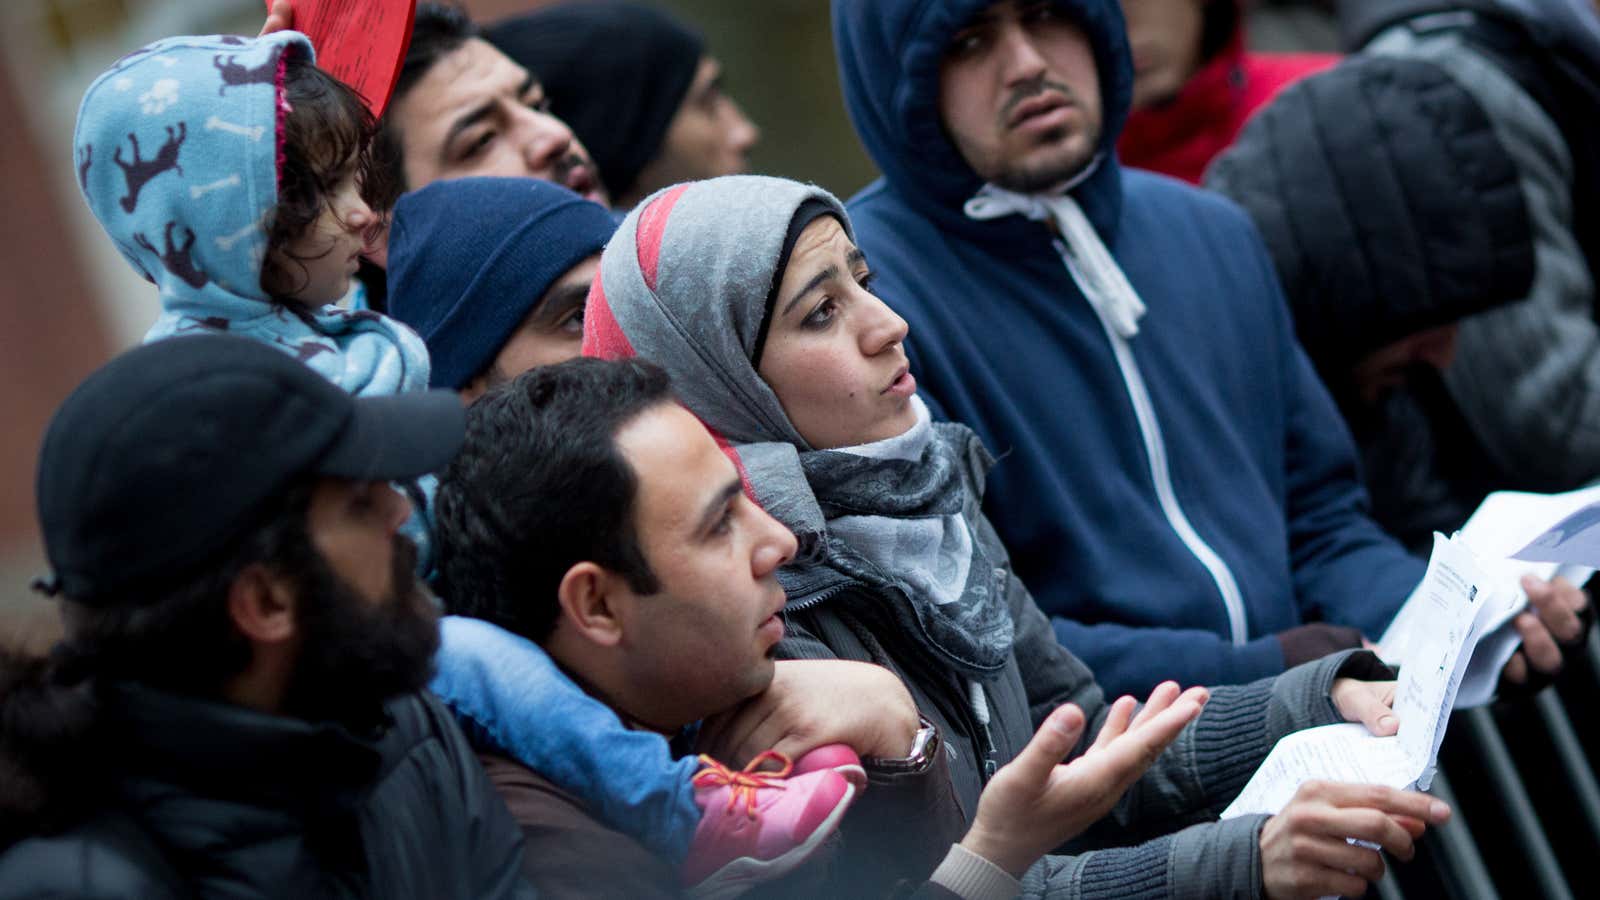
(163, 456)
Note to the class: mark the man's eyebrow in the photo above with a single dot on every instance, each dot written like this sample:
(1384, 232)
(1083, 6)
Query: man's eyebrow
(811, 285)
(714, 507)
(469, 119)
(484, 110)
(560, 299)
(855, 256)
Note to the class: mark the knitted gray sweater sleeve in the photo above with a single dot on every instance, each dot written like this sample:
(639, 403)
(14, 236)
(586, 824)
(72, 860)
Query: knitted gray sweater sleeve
(1198, 775)
(1214, 860)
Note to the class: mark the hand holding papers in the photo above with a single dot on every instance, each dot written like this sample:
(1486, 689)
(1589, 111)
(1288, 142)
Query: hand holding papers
(1450, 640)
(1450, 599)
(1512, 536)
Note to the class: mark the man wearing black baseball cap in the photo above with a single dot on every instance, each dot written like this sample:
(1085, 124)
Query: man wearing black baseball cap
(236, 708)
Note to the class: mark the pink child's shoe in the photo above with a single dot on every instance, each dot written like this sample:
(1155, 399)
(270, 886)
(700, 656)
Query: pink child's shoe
(838, 757)
(756, 826)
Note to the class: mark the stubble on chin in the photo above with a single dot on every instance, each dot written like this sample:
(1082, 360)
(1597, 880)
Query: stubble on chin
(1024, 178)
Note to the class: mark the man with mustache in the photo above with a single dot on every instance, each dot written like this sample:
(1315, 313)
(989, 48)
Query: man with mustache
(460, 107)
(247, 639)
(1176, 488)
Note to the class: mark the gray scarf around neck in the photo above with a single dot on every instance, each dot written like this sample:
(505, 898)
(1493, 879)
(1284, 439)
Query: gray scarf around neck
(900, 516)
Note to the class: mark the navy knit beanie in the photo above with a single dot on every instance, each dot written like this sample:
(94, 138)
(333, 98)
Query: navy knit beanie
(615, 72)
(469, 258)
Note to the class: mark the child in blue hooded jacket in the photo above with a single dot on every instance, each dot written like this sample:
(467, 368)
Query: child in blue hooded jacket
(238, 178)
(235, 176)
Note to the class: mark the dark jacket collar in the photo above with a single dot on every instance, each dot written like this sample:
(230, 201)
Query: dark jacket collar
(239, 755)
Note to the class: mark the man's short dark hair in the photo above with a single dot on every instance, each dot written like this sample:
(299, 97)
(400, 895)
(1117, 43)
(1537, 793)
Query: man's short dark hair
(540, 486)
(438, 30)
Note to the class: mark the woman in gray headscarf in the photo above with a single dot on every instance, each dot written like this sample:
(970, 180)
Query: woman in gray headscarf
(751, 292)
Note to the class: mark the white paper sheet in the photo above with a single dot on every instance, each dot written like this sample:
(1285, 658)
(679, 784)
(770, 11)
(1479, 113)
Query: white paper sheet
(1348, 753)
(1504, 524)
(1447, 606)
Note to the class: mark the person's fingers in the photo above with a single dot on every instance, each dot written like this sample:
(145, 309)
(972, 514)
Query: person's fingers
(1162, 697)
(1154, 735)
(1414, 827)
(1343, 856)
(1365, 703)
(773, 730)
(1116, 722)
(1056, 737)
(1557, 603)
(1516, 670)
(1331, 883)
(1538, 645)
(1394, 802)
(280, 17)
(1121, 762)
(750, 729)
(1360, 823)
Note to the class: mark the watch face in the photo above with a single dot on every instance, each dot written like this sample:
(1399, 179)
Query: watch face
(924, 744)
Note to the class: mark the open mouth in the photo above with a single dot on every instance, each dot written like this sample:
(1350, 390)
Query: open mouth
(904, 384)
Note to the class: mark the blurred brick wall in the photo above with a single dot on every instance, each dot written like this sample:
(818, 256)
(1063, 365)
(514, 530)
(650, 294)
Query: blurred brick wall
(50, 338)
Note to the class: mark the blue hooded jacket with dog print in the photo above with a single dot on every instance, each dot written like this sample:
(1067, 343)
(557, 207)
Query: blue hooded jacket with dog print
(177, 152)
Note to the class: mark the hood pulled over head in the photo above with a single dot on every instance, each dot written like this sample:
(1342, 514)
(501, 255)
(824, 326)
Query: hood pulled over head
(685, 282)
(1387, 202)
(889, 59)
(177, 150)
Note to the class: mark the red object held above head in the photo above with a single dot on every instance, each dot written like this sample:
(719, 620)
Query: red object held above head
(360, 42)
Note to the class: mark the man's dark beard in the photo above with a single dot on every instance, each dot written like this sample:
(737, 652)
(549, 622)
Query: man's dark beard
(355, 655)
(1033, 181)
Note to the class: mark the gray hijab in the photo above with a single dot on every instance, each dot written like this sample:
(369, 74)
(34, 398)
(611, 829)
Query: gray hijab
(685, 283)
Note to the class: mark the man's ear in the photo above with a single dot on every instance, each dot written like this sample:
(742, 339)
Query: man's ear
(262, 605)
(591, 602)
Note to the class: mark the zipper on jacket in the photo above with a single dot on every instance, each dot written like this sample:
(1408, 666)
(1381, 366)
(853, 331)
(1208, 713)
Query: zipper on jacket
(813, 600)
(1155, 450)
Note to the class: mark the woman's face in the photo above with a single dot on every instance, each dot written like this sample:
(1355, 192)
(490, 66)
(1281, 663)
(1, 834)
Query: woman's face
(834, 353)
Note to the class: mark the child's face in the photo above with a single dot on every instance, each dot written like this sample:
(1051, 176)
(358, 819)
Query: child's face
(330, 248)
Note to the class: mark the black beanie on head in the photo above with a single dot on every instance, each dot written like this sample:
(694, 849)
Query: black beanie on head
(1387, 202)
(615, 72)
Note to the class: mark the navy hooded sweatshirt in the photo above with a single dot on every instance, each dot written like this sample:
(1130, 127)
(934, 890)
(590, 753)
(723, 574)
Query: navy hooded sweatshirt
(1262, 472)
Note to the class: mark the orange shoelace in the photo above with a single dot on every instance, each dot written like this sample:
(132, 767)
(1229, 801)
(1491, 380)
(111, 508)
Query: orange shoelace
(744, 783)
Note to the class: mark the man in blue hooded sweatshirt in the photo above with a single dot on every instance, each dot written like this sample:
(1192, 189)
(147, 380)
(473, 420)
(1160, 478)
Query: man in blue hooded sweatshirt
(1175, 485)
